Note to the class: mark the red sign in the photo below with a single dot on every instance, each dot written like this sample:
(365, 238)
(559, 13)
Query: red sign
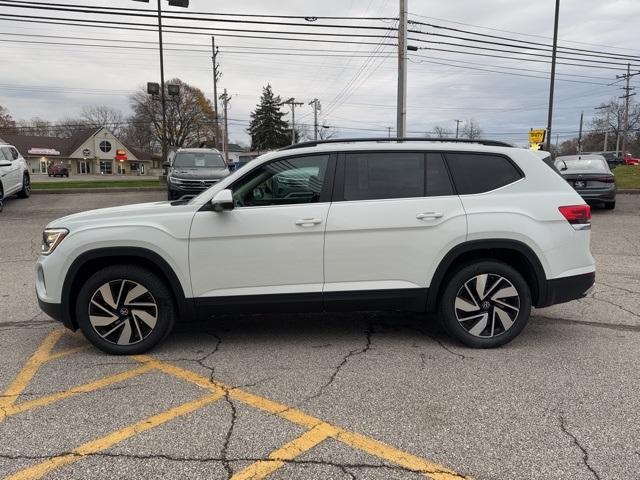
(121, 154)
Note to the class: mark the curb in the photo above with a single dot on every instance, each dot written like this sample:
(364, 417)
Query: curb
(96, 190)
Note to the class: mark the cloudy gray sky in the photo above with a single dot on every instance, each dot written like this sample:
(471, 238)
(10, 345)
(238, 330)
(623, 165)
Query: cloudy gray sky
(357, 90)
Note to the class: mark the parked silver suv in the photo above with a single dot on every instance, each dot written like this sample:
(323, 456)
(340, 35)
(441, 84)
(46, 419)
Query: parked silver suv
(193, 170)
(14, 174)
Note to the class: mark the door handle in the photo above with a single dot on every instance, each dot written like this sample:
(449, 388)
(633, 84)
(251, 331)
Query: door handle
(429, 215)
(308, 222)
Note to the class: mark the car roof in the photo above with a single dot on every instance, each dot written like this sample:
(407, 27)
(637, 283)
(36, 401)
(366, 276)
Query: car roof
(195, 150)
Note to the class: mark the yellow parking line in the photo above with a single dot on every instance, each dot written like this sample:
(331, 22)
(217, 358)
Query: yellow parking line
(41, 356)
(86, 388)
(71, 351)
(374, 447)
(278, 458)
(100, 444)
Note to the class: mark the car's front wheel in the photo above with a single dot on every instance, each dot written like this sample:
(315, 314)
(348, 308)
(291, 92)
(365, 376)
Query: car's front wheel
(1, 199)
(610, 205)
(485, 304)
(125, 310)
(26, 187)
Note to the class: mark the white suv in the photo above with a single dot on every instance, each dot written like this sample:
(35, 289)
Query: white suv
(14, 174)
(477, 231)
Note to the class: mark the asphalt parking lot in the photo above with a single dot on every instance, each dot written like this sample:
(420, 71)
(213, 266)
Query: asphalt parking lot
(368, 395)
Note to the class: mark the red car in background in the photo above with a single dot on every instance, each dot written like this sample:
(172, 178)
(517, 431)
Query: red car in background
(629, 160)
(58, 170)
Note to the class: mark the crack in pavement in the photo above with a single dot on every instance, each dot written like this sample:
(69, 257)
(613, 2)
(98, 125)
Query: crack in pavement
(585, 454)
(635, 292)
(609, 302)
(27, 324)
(226, 463)
(160, 456)
(352, 353)
(609, 326)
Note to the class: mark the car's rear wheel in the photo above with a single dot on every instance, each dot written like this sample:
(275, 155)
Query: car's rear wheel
(125, 310)
(610, 205)
(26, 187)
(485, 304)
(1, 198)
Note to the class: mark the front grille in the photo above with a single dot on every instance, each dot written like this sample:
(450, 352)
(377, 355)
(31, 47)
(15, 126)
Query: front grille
(194, 185)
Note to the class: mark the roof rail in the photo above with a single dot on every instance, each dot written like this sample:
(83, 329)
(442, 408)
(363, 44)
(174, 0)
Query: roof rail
(489, 143)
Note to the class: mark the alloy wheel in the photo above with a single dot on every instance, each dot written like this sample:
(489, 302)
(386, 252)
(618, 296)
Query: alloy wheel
(26, 184)
(123, 312)
(487, 305)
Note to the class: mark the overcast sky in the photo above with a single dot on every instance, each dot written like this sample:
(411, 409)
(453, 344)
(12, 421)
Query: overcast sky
(54, 81)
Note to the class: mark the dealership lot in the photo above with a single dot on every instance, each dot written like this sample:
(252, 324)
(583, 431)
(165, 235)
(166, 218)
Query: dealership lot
(368, 395)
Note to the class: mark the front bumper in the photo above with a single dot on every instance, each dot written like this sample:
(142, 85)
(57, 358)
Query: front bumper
(565, 289)
(57, 312)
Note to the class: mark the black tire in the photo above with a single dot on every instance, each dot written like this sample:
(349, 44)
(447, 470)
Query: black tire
(497, 331)
(610, 205)
(26, 187)
(144, 336)
(1, 199)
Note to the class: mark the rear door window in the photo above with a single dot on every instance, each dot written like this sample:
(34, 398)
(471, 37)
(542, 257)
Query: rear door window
(383, 175)
(479, 173)
(438, 180)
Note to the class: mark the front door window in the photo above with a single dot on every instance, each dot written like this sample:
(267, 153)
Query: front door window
(106, 168)
(285, 182)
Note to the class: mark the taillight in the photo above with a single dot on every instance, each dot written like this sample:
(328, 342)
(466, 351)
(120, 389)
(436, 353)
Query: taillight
(577, 215)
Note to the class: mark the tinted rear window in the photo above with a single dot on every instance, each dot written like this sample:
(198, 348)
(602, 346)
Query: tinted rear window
(438, 181)
(370, 176)
(478, 173)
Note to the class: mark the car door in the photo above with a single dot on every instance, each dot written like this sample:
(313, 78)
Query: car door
(269, 248)
(394, 215)
(9, 175)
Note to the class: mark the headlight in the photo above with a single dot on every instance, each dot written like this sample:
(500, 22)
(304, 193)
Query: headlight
(174, 180)
(51, 238)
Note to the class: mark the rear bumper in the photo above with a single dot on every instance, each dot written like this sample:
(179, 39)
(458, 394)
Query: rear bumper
(598, 195)
(561, 290)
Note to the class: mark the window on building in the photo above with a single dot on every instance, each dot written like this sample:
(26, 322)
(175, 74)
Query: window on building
(105, 146)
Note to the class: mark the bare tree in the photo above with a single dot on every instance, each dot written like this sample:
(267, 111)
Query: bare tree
(610, 118)
(36, 126)
(7, 123)
(471, 130)
(441, 132)
(69, 126)
(98, 116)
(190, 117)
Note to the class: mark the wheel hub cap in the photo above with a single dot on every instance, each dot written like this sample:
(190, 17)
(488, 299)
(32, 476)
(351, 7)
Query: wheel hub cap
(123, 312)
(487, 305)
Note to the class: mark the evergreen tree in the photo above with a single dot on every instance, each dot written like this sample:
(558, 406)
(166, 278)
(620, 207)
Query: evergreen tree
(267, 128)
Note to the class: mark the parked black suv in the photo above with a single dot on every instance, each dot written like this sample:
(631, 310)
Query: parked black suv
(193, 170)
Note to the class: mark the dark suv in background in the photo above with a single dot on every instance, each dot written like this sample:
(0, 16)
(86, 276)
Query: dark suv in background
(193, 170)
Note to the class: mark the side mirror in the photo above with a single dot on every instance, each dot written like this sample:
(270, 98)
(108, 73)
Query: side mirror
(4, 163)
(223, 200)
(166, 164)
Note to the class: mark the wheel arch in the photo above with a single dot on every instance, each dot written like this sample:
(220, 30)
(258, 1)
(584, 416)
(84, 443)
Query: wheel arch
(90, 262)
(513, 252)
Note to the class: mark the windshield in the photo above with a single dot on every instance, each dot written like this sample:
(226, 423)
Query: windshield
(198, 160)
(592, 165)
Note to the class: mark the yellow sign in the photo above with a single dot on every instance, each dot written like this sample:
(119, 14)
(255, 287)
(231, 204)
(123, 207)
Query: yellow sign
(537, 136)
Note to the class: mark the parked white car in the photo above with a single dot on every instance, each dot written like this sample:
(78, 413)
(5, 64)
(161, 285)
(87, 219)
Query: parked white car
(14, 174)
(477, 231)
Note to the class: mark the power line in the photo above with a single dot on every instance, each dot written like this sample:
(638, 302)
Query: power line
(75, 9)
(189, 12)
(584, 51)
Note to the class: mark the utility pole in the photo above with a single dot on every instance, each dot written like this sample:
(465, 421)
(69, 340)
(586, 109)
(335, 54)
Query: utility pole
(316, 107)
(580, 134)
(225, 102)
(293, 104)
(402, 70)
(606, 130)
(553, 74)
(216, 77)
(162, 95)
(627, 95)
(457, 127)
